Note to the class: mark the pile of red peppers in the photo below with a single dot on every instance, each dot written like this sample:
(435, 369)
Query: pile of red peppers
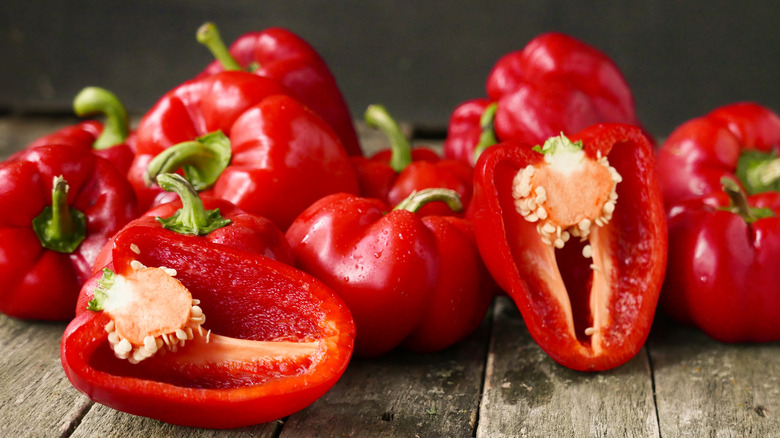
(220, 263)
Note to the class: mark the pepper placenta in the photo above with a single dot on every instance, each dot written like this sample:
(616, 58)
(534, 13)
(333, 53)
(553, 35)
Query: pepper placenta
(574, 231)
(406, 279)
(260, 149)
(281, 55)
(60, 204)
(246, 339)
(393, 174)
(555, 84)
(720, 176)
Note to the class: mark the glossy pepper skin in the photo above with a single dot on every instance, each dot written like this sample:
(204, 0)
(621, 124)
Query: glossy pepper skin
(213, 219)
(586, 317)
(722, 275)
(280, 54)
(39, 279)
(555, 84)
(246, 297)
(393, 174)
(406, 279)
(700, 152)
(112, 140)
(281, 156)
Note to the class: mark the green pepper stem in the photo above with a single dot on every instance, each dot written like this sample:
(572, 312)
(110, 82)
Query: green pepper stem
(59, 227)
(203, 160)
(192, 217)
(488, 136)
(418, 199)
(208, 35)
(771, 172)
(377, 117)
(96, 100)
(740, 204)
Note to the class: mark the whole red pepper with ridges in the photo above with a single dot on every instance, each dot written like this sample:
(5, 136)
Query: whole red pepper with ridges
(555, 84)
(246, 339)
(281, 55)
(261, 149)
(60, 205)
(574, 231)
(408, 280)
(721, 179)
(395, 173)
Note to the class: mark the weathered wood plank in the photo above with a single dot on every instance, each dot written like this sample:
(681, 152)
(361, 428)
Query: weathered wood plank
(36, 398)
(102, 421)
(527, 394)
(402, 394)
(707, 388)
(17, 132)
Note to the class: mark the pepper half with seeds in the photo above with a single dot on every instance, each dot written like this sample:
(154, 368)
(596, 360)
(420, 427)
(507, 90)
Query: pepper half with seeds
(276, 338)
(574, 231)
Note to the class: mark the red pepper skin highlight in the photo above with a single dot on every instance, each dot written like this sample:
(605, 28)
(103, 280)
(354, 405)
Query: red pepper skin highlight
(383, 265)
(40, 283)
(551, 287)
(409, 280)
(281, 55)
(722, 275)
(246, 296)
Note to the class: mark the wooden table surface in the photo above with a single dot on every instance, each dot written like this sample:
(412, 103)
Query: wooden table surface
(496, 383)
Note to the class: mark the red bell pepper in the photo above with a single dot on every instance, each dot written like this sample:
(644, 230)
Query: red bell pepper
(215, 219)
(241, 136)
(720, 174)
(556, 84)
(574, 231)
(735, 141)
(275, 340)
(393, 174)
(111, 140)
(405, 278)
(281, 55)
(60, 204)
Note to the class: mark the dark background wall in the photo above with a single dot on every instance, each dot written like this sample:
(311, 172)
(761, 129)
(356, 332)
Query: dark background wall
(418, 58)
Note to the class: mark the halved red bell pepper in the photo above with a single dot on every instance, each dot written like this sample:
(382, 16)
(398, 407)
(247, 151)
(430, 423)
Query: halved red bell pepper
(555, 84)
(574, 231)
(112, 140)
(215, 219)
(393, 174)
(723, 249)
(242, 136)
(405, 278)
(60, 204)
(281, 55)
(246, 339)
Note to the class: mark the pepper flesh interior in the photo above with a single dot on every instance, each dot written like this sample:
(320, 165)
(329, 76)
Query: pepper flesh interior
(571, 194)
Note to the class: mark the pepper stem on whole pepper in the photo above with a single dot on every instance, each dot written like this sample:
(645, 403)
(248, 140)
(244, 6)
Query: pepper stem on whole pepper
(378, 117)
(203, 160)
(208, 35)
(192, 217)
(418, 199)
(488, 136)
(96, 100)
(739, 202)
(59, 227)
